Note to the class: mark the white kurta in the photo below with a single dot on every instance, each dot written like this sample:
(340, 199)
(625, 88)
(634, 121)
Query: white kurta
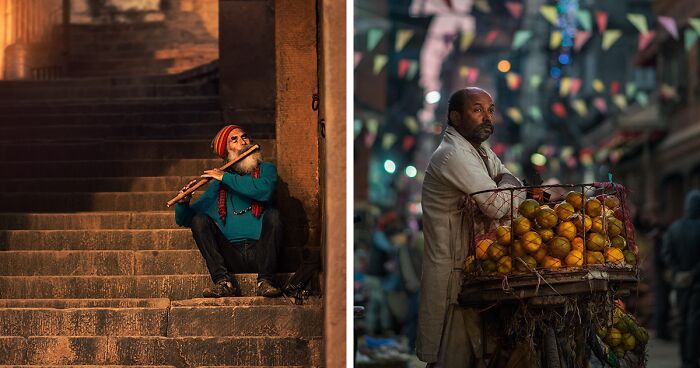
(456, 169)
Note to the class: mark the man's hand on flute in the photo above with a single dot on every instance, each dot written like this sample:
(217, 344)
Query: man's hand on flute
(214, 174)
(186, 199)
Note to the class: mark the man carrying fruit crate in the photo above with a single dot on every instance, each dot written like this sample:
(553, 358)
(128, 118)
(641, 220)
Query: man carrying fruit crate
(450, 335)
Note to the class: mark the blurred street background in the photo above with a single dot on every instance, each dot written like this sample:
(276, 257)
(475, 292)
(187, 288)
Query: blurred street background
(585, 90)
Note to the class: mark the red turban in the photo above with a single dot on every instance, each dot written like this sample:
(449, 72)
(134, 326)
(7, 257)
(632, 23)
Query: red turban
(220, 141)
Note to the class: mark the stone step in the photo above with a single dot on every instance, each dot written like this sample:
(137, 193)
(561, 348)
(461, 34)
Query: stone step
(155, 131)
(87, 366)
(34, 93)
(174, 287)
(39, 119)
(118, 64)
(115, 149)
(94, 105)
(96, 239)
(86, 201)
(144, 350)
(88, 220)
(117, 262)
(98, 184)
(96, 303)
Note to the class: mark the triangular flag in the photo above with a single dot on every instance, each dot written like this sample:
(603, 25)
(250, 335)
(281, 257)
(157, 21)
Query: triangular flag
(535, 113)
(514, 114)
(404, 64)
(473, 75)
(600, 104)
(668, 92)
(408, 142)
(639, 21)
(379, 63)
(555, 39)
(642, 99)
(581, 39)
(579, 106)
(372, 125)
(645, 39)
(357, 128)
(513, 80)
(466, 40)
(575, 86)
(620, 101)
(598, 85)
(584, 17)
(463, 71)
(388, 140)
(601, 19)
(690, 38)
(483, 6)
(614, 87)
(412, 69)
(695, 23)
(535, 81)
(670, 25)
(369, 139)
(373, 37)
(402, 38)
(549, 12)
(564, 86)
(490, 37)
(520, 38)
(515, 9)
(630, 89)
(559, 110)
(358, 58)
(610, 37)
(411, 123)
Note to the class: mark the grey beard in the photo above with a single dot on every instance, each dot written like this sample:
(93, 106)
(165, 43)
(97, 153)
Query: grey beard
(248, 164)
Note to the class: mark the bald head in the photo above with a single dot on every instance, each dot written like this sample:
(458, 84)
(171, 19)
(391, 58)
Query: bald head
(471, 112)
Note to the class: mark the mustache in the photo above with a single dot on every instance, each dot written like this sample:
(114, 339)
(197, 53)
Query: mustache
(486, 125)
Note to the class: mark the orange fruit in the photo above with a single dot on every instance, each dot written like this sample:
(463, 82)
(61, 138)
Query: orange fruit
(567, 229)
(614, 255)
(521, 225)
(575, 199)
(564, 210)
(574, 258)
(559, 247)
(488, 266)
(611, 202)
(516, 249)
(546, 234)
(577, 244)
(504, 265)
(594, 257)
(496, 251)
(615, 226)
(618, 242)
(540, 254)
(595, 242)
(597, 225)
(481, 247)
(551, 262)
(525, 263)
(528, 208)
(576, 219)
(593, 207)
(531, 241)
(546, 217)
(503, 235)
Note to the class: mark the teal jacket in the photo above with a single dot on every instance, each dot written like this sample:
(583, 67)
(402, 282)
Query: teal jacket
(242, 191)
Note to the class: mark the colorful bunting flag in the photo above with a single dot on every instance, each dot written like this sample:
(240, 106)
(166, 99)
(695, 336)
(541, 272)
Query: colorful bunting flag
(581, 39)
(411, 123)
(466, 40)
(614, 87)
(690, 38)
(404, 64)
(513, 80)
(388, 140)
(515, 9)
(369, 139)
(549, 12)
(559, 110)
(555, 39)
(463, 71)
(357, 127)
(408, 142)
(564, 86)
(473, 75)
(402, 38)
(639, 21)
(600, 104)
(670, 25)
(372, 125)
(584, 18)
(610, 37)
(695, 23)
(483, 6)
(373, 37)
(520, 38)
(535, 81)
(620, 101)
(490, 37)
(630, 89)
(515, 115)
(598, 85)
(645, 39)
(412, 69)
(535, 113)
(575, 86)
(642, 99)
(579, 106)
(601, 19)
(668, 92)
(379, 63)
(358, 58)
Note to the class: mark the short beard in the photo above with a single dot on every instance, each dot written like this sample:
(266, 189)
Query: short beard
(248, 164)
(480, 133)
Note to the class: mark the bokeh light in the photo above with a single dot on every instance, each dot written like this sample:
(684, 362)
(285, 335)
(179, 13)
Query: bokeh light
(504, 66)
(389, 166)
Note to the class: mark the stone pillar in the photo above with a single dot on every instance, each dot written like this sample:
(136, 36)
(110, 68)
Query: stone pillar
(297, 133)
(333, 161)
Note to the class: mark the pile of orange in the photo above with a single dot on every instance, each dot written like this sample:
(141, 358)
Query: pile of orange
(555, 235)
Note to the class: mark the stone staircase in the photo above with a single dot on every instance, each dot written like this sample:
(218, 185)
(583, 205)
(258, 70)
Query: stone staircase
(93, 269)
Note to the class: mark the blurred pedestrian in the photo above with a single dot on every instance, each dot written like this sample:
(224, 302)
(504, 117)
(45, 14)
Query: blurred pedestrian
(378, 316)
(681, 251)
(662, 285)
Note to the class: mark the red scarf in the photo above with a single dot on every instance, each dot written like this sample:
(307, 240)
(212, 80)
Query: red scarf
(257, 207)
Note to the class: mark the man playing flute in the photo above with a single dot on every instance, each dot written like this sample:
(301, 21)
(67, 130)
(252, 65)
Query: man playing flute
(235, 228)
